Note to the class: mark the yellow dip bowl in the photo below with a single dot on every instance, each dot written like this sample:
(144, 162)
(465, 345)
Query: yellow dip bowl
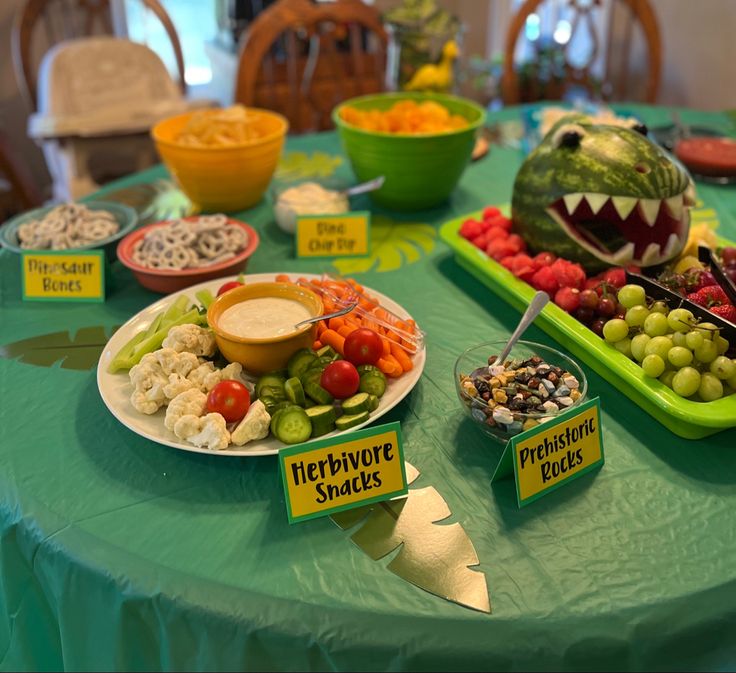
(260, 356)
(228, 178)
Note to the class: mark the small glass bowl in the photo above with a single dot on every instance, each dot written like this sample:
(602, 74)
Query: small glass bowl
(477, 356)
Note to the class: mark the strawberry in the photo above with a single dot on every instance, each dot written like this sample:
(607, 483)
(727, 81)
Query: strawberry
(470, 229)
(544, 279)
(696, 279)
(725, 311)
(709, 296)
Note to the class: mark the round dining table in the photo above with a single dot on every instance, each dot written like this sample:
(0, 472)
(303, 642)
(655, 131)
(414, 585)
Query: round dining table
(120, 553)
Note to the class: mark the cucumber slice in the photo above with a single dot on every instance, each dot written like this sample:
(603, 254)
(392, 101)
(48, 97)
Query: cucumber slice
(373, 402)
(300, 362)
(274, 381)
(272, 406)
(292, 426)
(350, 421)
(317, 392)
(328, 352)
(364, 369)
(323, 419)
(320, 363)
(356, 404)
(373, 383)
(295, 391)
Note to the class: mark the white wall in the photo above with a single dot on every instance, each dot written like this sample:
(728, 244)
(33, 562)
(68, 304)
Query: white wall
(699, 53)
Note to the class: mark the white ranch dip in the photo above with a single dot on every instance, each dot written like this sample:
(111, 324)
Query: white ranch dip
(263, 317)
(308, 198)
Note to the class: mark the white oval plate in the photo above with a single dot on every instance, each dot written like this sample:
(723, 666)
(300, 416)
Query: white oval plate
(115, 389)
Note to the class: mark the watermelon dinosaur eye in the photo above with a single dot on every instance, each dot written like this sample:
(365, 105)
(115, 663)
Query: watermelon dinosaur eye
(640, 128)
(570, 139)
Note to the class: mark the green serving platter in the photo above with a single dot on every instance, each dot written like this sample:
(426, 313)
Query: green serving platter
(686, 418)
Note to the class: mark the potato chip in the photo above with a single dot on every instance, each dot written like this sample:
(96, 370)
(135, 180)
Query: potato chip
(406, 117)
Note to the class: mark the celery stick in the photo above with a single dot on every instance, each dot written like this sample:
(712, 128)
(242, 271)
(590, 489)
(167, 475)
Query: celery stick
(155, 325)
(176, 310)
(205, 297)
(153, 342)
(120, 361)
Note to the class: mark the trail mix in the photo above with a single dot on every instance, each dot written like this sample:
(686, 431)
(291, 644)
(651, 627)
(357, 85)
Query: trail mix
(500, 395)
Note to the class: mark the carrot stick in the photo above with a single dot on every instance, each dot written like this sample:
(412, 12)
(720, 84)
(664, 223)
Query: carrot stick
(336, 323)
(316, 345)
(390, 367)
(331, 338)
(398, 369)
(346, 329)
(321, 327)
(386, 346)
(283, 278)
(393, 336)
(400, 354)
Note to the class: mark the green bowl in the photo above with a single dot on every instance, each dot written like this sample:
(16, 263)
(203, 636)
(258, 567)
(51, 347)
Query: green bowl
(421, 170)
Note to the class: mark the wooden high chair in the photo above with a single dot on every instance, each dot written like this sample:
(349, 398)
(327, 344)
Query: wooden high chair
(301, 58)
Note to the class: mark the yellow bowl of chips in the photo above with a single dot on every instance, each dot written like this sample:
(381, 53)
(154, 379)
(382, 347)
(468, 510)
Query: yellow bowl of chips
(223, 159)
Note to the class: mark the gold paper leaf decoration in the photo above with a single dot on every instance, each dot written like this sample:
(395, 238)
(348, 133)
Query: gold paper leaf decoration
(300, 166)
(436, 558)
(392, 245)
(81, 352)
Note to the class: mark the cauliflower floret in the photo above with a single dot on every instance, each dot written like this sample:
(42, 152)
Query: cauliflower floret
(191, 338)
(255, 425)
(206, 376)
(177, 385)
(148, 382)
(173, 362)
(231, 372)
(209, 431)
(190, 402)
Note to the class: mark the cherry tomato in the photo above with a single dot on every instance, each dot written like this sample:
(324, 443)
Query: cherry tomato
(231, 285)
(340, 379)
(231, 399)
(363, 347)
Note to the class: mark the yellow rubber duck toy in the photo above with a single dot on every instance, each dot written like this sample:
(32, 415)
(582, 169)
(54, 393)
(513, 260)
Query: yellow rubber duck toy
(431, 77)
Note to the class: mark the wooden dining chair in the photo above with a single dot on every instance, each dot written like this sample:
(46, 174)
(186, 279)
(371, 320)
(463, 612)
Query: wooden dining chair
(301, 58)
(65, 20)
(18, 191)
(621, 22)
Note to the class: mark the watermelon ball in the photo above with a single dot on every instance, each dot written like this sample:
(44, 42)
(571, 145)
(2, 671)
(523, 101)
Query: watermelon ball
(490, 212)
(517, 241)
(568, 299)
(545, 258)
(500, 248)
(471, 229)
(544, 279)
(569, 274)
(499, 221)
(496, 232)
(523, 267)
(508, 262)
(616, 277)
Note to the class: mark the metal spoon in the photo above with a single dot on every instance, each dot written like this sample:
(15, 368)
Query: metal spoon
(336, 314)
(536, 305)
(370, 186)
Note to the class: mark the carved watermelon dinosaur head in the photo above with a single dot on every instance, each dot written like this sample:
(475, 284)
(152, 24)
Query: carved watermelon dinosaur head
(602, 195)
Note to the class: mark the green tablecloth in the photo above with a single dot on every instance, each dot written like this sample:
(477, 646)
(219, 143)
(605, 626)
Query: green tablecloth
(120, 553)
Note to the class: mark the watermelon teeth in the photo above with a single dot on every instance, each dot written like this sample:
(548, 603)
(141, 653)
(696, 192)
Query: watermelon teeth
(624, 230)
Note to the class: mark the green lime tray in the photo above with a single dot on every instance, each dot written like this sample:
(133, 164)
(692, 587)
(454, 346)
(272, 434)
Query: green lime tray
(688, 419)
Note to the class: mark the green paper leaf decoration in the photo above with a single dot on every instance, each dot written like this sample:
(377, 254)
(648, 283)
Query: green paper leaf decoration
(435, 557)
(301, 166)
(81, 352)
(154, 202)
(393, 244)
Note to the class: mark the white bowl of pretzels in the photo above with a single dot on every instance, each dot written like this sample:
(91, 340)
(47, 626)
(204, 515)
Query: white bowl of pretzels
(169, 256)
